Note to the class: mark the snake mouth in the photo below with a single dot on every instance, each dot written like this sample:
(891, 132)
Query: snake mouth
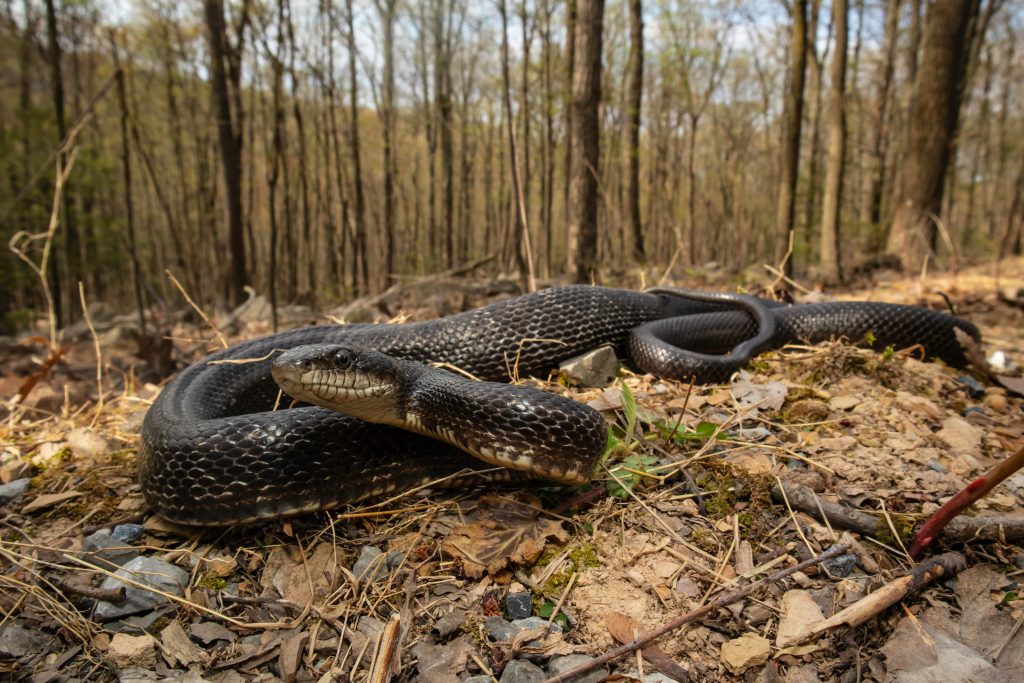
(345, 378)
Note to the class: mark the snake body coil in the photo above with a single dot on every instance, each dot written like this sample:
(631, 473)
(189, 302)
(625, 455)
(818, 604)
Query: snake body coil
(214, 451)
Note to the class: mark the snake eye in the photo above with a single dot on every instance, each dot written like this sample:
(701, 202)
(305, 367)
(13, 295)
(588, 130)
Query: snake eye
(342, 358)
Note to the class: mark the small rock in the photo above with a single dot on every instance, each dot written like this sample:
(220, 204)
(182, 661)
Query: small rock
(535, 622)
(103, 550)
(481, 678)
(135, 674)
(207, 632)
(518, 606)
(138, 623)
(996, 402)
(975, 389)
(687, 587)
(128, 533)
(845, 401)
(559, 664)
(748, 650)
(9, 492)
(17, 642)
(753, 433)
(499, 630)
(961, 436)
(132, 651)
(394, 560)
(522, 671)
(84, 441)
(936, 466)
(799, 613)
(146, 570)
(369, 565)
(594, 369)
(840, 566)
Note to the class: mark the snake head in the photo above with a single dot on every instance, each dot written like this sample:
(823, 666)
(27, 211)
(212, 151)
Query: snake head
(350, 379)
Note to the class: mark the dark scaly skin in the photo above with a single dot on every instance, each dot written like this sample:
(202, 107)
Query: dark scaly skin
(213, 453)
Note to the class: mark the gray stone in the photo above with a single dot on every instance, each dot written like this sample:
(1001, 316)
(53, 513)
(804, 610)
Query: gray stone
(499, 630)
(596, 368)
(103, 550)
(17, 642)
(139, 623)
(519, 605)
(156, 574)
(522, 671)
(974, 388)
(481, 678)
(559, 664)
(9, 492)
(840, 566)
(137, 675)
(535, 622)
(395, 559)
(936, 466)
(128, 533)
(369, 565)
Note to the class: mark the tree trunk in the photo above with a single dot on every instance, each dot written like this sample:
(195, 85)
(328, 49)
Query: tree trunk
(634, 101)
(931, 129)
(570, 70)
(362, 269)
(830, 265)
(387, 16)
(794, 107)
(880, 115)
(519, 221)
(586, 98)
(225, 65)
(129, 204)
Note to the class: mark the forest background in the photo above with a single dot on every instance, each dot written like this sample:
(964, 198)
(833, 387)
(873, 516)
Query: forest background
(319, 151)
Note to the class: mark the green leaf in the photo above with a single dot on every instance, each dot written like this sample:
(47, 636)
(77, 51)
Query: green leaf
(870, 338)
(639, 463)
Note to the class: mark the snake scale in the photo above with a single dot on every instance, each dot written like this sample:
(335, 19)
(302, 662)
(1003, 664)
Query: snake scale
(214, 451)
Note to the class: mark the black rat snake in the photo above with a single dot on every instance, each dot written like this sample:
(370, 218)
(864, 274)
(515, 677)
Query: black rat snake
(215, 451)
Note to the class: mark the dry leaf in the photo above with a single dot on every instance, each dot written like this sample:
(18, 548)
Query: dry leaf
(624, 629)
(48, 500)
(505, 532)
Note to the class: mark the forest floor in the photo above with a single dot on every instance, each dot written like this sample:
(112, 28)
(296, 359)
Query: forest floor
(518, 586)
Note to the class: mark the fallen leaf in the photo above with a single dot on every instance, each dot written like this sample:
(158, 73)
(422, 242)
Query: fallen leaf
(48, 500)
(624, 629)
(505, 532)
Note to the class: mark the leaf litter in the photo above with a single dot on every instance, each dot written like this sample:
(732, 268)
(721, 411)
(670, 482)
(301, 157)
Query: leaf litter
(704, 490)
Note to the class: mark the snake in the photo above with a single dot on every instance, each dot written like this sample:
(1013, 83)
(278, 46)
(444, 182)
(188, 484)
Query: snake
(221, 445)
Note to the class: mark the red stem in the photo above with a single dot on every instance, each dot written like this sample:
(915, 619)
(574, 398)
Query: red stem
(977, 489)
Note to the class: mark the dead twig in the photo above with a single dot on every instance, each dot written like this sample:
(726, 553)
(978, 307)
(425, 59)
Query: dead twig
(727, 599)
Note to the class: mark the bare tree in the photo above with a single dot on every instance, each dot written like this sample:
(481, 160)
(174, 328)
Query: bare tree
(931, 128)
(226, 76)
(387, 10)
(586, 97)
(830, 221)
(793, 115)
(634, 100)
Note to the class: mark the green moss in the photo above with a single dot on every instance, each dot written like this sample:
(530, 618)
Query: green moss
(213, 582)
(903, 524)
